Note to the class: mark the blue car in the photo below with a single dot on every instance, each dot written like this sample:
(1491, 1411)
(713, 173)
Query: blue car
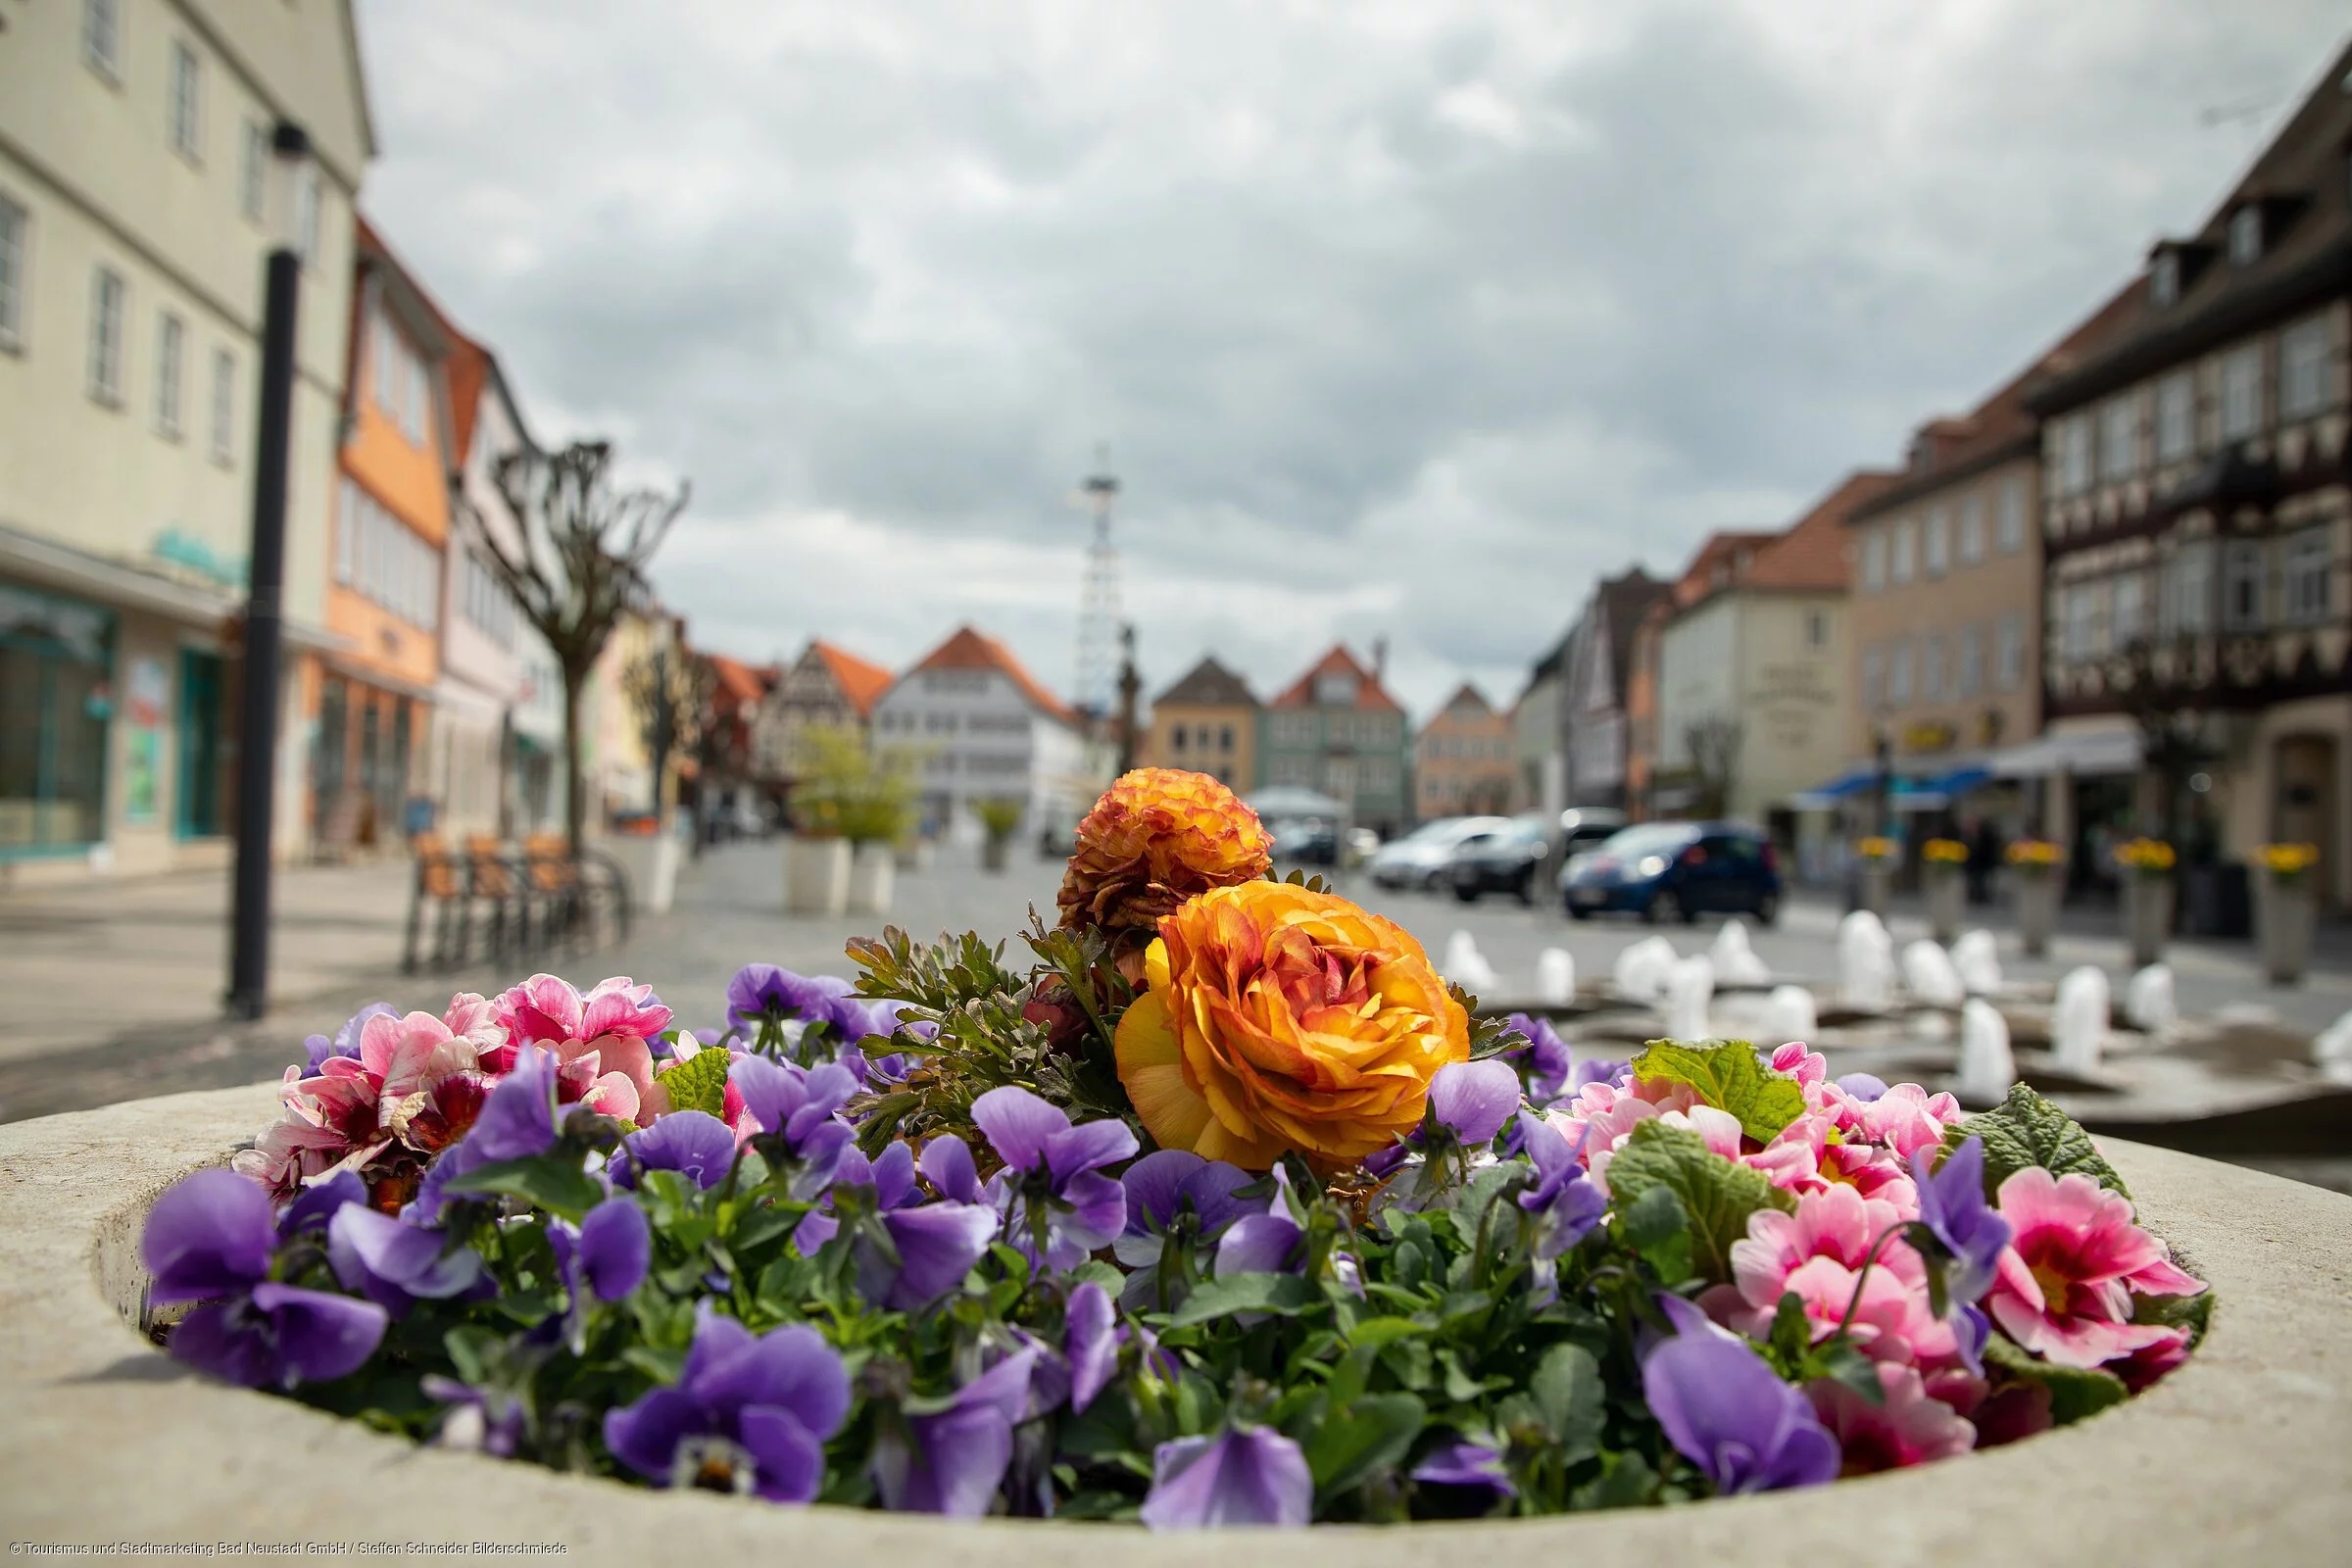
(1676, 871)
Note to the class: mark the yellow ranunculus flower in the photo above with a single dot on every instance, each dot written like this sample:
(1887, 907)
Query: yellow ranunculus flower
(1157, 837)
(1283, 1019)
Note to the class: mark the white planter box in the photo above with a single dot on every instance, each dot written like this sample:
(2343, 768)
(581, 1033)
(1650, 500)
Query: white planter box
(650, 861)
(871, 871)
(816, 876)
(2236, 1457)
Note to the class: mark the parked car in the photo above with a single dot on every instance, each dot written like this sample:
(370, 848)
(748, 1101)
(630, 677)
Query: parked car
(1505, 859)
(1309, 840)
(1676, 870)
(1419, 858)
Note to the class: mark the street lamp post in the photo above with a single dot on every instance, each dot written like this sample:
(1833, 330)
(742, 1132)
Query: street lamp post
(292, 204)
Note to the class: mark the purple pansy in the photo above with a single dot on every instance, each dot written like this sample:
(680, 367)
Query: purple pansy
(747, 1414)
(1051, 1192)
(346, 1043)
(1176, 1200)
(1863, 1086)
(1729, 1414)
(1253, 1477)
(210, 1239)
(608, 1252)
(317, 1203)
(952, 1462)
(1089, 1342)
(1545, 1061)
(791, 1112)
(766, 995)
(1968, 1232)
(1472, 1100)
(478, 1420)
(396, 1264)
(1464, 1463)
(908, 1252)
(693, 1143)
(517, 1121)
(1265, 1242)
(1565, 1204)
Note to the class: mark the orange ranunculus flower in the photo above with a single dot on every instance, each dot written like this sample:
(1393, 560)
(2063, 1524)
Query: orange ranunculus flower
(1157, 838)
(1278, 1019)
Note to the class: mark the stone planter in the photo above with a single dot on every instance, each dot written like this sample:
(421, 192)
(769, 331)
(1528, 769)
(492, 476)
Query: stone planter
(2286, 914)
(2037, 894)
(650, 861)
(816, 876)
(994, 853)
(2148, 917)
(2236, 1457)
(871, 868)
(1877, 887)
(915, 854)
(1948, 900)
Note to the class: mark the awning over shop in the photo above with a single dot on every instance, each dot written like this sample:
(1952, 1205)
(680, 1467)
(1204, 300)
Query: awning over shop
(2083, 754)
(1903, 794)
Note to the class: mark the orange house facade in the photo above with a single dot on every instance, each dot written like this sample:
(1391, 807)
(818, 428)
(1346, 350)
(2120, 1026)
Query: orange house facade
(370, 697)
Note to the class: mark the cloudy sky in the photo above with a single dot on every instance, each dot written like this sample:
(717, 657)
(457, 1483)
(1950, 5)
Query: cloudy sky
(1401, 320)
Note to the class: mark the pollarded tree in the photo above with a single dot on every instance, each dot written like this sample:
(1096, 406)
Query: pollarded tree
(1714, 746)
(580, 567)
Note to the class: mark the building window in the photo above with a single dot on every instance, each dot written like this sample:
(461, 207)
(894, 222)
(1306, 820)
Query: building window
(377, 556)
(186, 105)
(2241, 586)
(2242, 392)
(2245, 235)
(2074, 455)
(2131, 605)
(1873, 561)
(102, 37)
(170, 344)
(224, 406)
(2164, 278)
(1968, 678)
(1225, 739)
(2013, 515)
(2310, 564)
(252, 173)
(1898, 674)
(1930, 670)
(1939, 541)
(1971, 528)
(1817, 629)
(2010, 656)
(106, 336)
(2118, 439)
(16, 229)
(2187, 604)
(55, 668)
(2080, 622)
(2176, 417)
(2303, 370)
(1874, 677)
(1176, 737)
(1906, 551)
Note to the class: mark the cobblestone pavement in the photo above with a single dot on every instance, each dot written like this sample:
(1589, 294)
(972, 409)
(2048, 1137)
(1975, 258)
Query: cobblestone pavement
(115, 986)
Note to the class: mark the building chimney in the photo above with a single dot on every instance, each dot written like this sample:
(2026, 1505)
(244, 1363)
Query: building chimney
(1379, 660)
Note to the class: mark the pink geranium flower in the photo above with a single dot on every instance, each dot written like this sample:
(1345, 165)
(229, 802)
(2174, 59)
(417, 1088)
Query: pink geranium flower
(1912, 1427)
(598, 1040)
(2064, 1287)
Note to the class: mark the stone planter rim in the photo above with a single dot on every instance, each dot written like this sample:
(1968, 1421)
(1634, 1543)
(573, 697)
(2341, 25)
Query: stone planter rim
(2237, 1456)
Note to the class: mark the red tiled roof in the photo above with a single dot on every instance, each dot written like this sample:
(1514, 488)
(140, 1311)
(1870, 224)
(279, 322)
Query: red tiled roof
(973, 650)
(1370, 696)
(860, 681)
(1812, 553)
(738, 683)
(1698, 579)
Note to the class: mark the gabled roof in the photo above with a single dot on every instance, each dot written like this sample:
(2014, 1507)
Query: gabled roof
(739, 683)
(973, 650)
(862, 681)
(1730, 550)
(1208, 685)
(468, 374)
(1370, 696)
(1468, 704)
(1812, 553)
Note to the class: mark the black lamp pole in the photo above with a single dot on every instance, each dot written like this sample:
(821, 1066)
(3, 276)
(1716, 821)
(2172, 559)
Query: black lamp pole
(265, 611)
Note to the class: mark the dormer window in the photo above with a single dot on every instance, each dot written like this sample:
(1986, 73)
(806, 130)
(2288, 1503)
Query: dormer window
(2164, 278)
(1335, 690)
(2245, 235)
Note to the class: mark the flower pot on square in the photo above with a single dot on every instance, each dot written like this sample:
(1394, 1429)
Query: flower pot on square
(992, 854)
(870, 870)
(914, 854)
(1948, 900)
(816, 876)
(2037, 894)
(2147, 916)
(1878, 886)
(2285, 912)
(650, 861)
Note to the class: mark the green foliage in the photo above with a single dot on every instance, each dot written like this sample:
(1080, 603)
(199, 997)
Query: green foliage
(1730, 1076)
(698, 1083)
(999, 817)
(2028, 1130)
(2075, 1393)
(549, 1180)
(844, 790)
(1716, 1195)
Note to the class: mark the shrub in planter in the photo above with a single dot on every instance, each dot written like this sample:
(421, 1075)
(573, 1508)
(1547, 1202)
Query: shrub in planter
(1000, 820)
(971, 1238)
(1946, 872)
(2286, 910)
(2034, 866)
(1877, 855)
(2148, 896)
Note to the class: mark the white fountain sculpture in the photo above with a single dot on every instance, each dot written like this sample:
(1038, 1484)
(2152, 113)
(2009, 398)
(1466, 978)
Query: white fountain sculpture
(1690, 990)
(2331, 1051)
(1736, 963)
(1865, 963)
(1466, 966)
(2148, 1000)
(1640, 973)
(1929, 975)
(1555, 978)
(1790, 1014)
(1978, 962)
(2078, 1023)
(1986, 1067)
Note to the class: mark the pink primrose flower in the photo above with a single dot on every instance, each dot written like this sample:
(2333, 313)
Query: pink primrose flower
(1912, 1427)
(2064, 1287)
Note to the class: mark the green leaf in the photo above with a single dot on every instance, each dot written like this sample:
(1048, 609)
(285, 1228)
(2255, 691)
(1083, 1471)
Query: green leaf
(1370, 1435)
(549, 1181)
(1660, 1231)
(1845, 1364)
(1730, 1076)
(1717, 1195)
(2192, 1312)
(1625, 1481)
(2028, 1130)
(1569, 1396)
(1379, 1331)
(700, 1082)
(2075, 1391)
(1283, 1294)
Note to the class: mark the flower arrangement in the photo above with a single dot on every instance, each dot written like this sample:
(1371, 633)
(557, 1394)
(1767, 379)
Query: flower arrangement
(1878, 850)
(2144, 855)
(2033, 854)
(2287, 862)
(1275, 1231)
(1944, 852)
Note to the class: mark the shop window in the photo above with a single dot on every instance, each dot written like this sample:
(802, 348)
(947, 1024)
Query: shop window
(206, 753)
(55, 656)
